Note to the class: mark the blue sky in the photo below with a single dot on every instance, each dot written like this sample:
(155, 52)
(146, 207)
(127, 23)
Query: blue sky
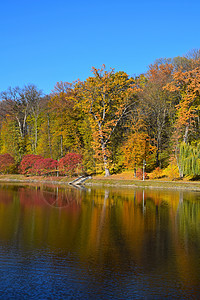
(42, 42)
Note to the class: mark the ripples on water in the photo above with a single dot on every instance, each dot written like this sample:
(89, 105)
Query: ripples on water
(63, 243)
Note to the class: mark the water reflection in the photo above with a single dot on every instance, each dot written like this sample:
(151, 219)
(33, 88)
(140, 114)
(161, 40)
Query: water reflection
(112, 243)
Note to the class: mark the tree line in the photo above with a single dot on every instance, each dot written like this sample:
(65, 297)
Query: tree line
(113, 120)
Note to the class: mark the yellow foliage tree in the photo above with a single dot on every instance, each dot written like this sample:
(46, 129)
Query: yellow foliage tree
(106, 97)
(138, 147)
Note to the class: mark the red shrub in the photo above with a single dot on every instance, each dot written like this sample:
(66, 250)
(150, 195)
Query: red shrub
(37, 165)
(26, 165)
(70, 163)
(45, 166)
(7, 163)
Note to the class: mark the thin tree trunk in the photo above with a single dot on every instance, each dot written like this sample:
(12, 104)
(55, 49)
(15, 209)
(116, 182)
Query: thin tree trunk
(105, 159)
(158, 149)
(61, 145)
(35, 135)
(24, 125)
(49, 136)
(20, 127)
(185, 137)
(134, 171)
(179, 167)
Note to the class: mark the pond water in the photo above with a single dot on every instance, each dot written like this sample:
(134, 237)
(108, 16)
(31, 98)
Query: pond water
(65, 243)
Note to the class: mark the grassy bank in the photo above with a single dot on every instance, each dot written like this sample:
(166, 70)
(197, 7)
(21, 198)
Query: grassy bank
(32, 179)
(145, 184)
(120, 180)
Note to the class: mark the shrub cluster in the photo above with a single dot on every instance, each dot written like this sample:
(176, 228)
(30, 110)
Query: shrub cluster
(71, 163)
(7, 164)
(37, 165)
(45, 166)
(156, 174)
(27, 164)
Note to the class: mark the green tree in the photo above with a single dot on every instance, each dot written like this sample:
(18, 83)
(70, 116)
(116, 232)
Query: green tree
(189, 159)
(64, 119)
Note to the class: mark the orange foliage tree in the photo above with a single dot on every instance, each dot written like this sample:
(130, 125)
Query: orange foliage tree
(187, 86)
(157, 107)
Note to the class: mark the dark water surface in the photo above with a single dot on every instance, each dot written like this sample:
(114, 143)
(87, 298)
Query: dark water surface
(64, 243)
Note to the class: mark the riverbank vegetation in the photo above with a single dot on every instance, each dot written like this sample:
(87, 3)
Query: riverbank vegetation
(109, 123)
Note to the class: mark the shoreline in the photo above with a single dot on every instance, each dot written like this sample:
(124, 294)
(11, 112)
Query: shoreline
(105, 182)
(148, 184)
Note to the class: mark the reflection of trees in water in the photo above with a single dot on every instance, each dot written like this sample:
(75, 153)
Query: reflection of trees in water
(188, 220)
(102, 216)
(186, 239)
(120, 229)
(60, 197)
(51, 195)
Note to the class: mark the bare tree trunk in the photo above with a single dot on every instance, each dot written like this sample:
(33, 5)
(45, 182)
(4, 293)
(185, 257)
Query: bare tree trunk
(185, 137)
(20, 127)
(134, 171)
(105, 158)
(179, 166)
(36, 135)
(158, 149)
(24, 125)
(61, 145)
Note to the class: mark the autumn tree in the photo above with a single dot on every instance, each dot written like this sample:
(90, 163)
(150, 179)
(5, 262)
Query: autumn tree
(157, 106)
(15, 106)
(32, 96)
(138, 146)
(10, 139)
(45, 129)
(22, 105)
(107, 98)
(14, 112)
(64, 118)
(186, 86)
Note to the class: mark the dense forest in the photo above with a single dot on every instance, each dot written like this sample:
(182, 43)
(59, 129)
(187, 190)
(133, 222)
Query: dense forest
(108, 123)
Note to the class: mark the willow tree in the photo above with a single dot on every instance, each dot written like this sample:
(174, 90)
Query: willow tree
(107, 98)
(189, 159)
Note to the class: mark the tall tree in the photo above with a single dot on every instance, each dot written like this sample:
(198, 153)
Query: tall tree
(186, 86)
(15, 106)
(33, 96)
(107, 98)
(65, 118)
(138, 146)
(157, 106)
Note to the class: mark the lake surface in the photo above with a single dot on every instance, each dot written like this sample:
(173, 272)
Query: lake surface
(65, 243)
